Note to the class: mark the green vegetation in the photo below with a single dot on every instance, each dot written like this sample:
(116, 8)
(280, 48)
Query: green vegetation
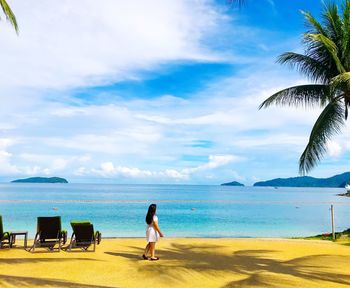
(345, 235)
(337, 181)
(326, 62)
(10, 16)
(41, 180)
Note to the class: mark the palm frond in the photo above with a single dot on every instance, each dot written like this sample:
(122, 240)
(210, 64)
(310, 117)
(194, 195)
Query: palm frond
(327, 125)
(341, 81)
(302, 95)
(333, 22)
(317, 51)
(10, 16)
(345, 45)
(326, 61)
(310, 67)
(330, 46)
(313, 23)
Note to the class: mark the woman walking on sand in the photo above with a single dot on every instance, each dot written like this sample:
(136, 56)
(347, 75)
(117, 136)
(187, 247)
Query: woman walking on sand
(152, 233)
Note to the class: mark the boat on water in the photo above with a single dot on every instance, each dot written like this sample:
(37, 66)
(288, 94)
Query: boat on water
(347, 187)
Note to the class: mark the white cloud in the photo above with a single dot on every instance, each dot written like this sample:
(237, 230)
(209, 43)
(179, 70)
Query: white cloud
(5, 165)
(108, 169)
(215, 161)
(7, 168)
(148, 137)
(78, 43)
(6, 142)
(334, 149)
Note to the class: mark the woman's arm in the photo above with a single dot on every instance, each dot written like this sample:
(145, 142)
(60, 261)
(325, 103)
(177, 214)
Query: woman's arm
(156, 226)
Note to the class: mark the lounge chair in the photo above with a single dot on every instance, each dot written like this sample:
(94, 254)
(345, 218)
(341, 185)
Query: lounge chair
(5, 237)
(83, 236)
(49, 234)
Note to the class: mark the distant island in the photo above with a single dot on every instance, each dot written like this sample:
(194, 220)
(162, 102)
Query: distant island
(41, 180)
(337, 181)
(233, 183)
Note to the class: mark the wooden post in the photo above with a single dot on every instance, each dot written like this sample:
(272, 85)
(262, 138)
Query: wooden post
(332, 218)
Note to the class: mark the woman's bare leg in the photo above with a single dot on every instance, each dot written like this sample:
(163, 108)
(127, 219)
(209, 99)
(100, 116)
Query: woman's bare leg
(152, 248)
(147, 249)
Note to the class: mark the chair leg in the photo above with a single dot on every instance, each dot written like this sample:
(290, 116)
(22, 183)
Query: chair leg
(36, 238)
(72, 243)
(12, 240)
(32, 249)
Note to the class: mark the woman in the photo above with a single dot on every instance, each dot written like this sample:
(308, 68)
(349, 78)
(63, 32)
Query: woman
(152, 233)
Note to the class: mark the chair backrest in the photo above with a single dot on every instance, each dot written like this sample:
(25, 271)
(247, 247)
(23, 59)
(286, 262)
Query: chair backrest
(1, 227)
(83, 230)
(49, 227)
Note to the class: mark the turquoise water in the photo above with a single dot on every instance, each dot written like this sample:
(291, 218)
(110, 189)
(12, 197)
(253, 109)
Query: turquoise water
(183, 210)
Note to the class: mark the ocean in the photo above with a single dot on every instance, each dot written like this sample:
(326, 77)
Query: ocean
(183, 210)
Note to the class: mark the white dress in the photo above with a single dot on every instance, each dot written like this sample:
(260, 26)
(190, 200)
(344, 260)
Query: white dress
(151, 234)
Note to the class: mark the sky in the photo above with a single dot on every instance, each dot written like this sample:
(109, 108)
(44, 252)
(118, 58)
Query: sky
(157, 91)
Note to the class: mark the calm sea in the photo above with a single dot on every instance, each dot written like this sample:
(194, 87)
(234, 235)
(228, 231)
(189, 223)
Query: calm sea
(183, 210)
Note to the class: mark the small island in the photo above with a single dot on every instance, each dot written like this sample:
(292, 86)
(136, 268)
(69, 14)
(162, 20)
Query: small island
(41, 180)
(233, 183)
(336, 181)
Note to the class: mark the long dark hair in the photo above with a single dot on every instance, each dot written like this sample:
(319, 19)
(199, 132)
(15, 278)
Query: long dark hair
(151, 212)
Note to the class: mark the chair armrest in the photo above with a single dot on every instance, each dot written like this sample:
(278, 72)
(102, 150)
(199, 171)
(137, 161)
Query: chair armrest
(6, 235)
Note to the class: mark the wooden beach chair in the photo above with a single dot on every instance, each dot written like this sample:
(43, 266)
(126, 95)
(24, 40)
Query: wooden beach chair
(83, 236)
(5, 237)
(49, 234)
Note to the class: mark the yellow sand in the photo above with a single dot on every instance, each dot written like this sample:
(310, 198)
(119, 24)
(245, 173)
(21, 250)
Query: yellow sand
(184, 263)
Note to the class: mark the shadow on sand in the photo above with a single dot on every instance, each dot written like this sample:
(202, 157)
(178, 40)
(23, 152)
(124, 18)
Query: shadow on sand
(17, 281)
(38, 260)
(257, 267)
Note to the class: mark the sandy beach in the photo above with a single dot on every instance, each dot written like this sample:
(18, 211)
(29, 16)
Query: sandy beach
(184, 263)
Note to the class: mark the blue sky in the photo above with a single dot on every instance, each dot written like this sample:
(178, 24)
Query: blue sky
(154, 92)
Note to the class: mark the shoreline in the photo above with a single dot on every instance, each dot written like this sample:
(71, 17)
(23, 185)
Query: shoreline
(347, 194)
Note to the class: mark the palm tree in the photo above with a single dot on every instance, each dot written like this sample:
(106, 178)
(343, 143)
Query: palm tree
(9, 14)
(326, 62)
